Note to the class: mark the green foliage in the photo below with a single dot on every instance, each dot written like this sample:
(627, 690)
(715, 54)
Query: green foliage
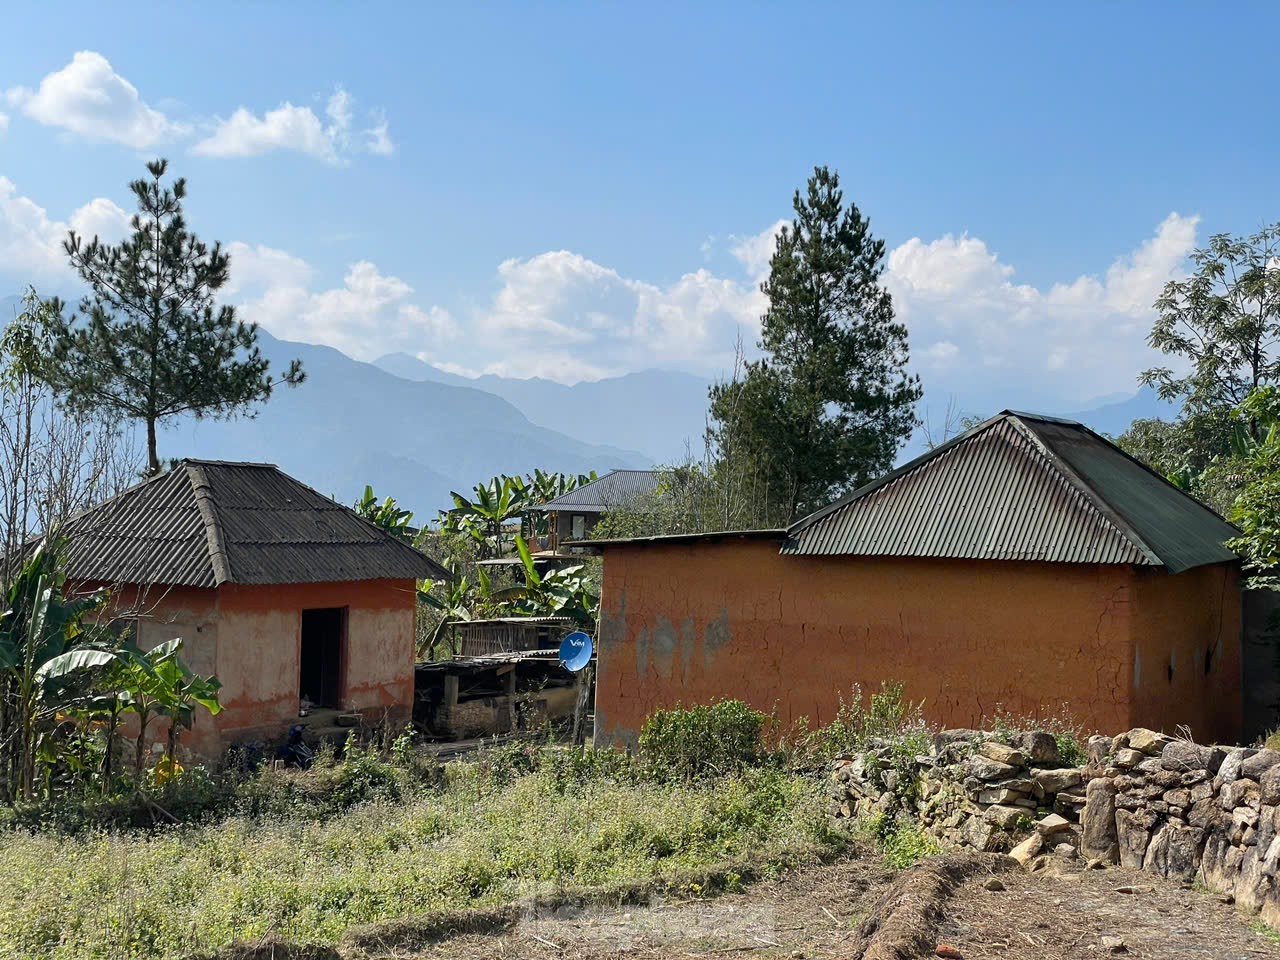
(63, 676)
(886, 718)
(905, 844)
(827, 407)
(1225, 320)
(477, 841)
(386, 514)
(690, 742)
(153, 342)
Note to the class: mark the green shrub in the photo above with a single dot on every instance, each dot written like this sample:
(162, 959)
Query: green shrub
(906, 845)
(574, 766)
(688, 742)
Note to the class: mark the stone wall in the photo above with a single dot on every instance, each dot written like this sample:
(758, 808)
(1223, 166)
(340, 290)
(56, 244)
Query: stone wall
(1143, 800)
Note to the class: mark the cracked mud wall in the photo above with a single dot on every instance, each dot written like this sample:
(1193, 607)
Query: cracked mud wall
(697, 622)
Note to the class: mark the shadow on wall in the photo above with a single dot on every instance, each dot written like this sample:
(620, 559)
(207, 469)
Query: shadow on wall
(1261, 663)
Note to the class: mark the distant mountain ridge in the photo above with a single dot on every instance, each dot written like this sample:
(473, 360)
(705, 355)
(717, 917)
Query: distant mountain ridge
(416, 432)
(659, 412)
(352, 424)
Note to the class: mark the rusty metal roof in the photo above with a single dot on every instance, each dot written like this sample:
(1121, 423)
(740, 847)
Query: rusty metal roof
(1021, 486)
(613, 490)
(206, 523)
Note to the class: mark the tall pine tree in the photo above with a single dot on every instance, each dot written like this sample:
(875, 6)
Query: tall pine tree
(150, 342)
(830, 402)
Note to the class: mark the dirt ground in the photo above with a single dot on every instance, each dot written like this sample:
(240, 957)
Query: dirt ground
(824, 912)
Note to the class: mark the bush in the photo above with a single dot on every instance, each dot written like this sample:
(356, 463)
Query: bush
(906, 845)
(887, 718)
(689, 742)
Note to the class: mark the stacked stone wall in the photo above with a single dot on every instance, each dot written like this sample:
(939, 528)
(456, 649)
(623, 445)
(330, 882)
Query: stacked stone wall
(1143, 800)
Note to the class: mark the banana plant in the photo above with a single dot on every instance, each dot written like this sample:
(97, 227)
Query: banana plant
(544, 487)
(483, 515)
(556, 593)
(38, 626)
(388, 514)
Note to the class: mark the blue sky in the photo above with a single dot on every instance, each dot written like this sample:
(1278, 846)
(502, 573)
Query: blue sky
(575, 191)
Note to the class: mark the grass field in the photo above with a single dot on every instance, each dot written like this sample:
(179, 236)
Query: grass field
(478, 840)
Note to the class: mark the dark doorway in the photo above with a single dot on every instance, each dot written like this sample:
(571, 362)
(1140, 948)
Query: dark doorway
(320, 670)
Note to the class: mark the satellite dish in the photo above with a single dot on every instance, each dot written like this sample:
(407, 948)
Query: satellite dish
(575, 651)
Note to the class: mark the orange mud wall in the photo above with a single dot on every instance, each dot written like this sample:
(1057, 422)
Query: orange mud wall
(698, 622)
(250, 637)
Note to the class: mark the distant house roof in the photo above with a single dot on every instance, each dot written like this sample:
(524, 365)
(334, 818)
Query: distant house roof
(613, 490)
(1021, 486)
(206, 523)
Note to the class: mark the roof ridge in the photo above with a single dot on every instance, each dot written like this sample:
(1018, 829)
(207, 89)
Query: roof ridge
(873, 485)
(1096, 500)
(207, 504)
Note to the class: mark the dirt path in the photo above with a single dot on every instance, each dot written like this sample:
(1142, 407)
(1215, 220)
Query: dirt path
(1066, 916)
(820, 912)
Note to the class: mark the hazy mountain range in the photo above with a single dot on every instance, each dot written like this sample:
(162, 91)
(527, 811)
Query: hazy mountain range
(417, 432)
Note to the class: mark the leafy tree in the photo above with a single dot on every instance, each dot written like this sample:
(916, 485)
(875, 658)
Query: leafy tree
(827, 407)
(1225, 321)
(151, 342)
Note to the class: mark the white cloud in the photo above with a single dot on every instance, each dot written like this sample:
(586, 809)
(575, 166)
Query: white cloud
(756, 250)
(1072, 341)
(941, 353)
(558, 305)
(290, 127)
(87, 97)
(4, 123)
(31, 240)
(369, 315)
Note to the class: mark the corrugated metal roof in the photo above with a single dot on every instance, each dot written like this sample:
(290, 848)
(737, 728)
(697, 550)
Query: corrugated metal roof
(206, 523)
(613, 490)
(1021, 487)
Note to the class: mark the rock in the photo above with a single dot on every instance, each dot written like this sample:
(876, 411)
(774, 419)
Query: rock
(1028, 849)
(994, 884)
(946, 738)
(1239, 793)
(1055, 781)
(1098, 821)
(1002, 816)
(1097, 863)
(1037, 746)
(1150, 765)
(984, 768)
(1173, 852)
(993, 795)
(1133, 834)
(1114, 945)
(1255, 764)
(1097, 749)
(1269, 786)
(1052, 825)
(1147, 741)
(947, 952)
(1127, 758)
(1183, 755)
(1179, 797)
(994, 750)
(1201, 791)
(982, 836)
(1066, 851)
(1205, 813)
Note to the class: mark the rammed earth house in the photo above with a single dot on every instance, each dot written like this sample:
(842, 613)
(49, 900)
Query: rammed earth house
(1026, 565)
(286, 595)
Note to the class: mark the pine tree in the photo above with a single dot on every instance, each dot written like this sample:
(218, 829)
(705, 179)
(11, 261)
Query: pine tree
(150, 342)
(830, 402)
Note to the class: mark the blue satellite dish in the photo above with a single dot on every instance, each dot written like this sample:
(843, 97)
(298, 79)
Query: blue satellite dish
(575, 651)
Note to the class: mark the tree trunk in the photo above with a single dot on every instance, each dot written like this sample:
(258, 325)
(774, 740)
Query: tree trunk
(153, 459)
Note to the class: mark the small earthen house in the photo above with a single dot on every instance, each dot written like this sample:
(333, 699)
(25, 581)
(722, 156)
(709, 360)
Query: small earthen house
(288, 597)
(1027, 565)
